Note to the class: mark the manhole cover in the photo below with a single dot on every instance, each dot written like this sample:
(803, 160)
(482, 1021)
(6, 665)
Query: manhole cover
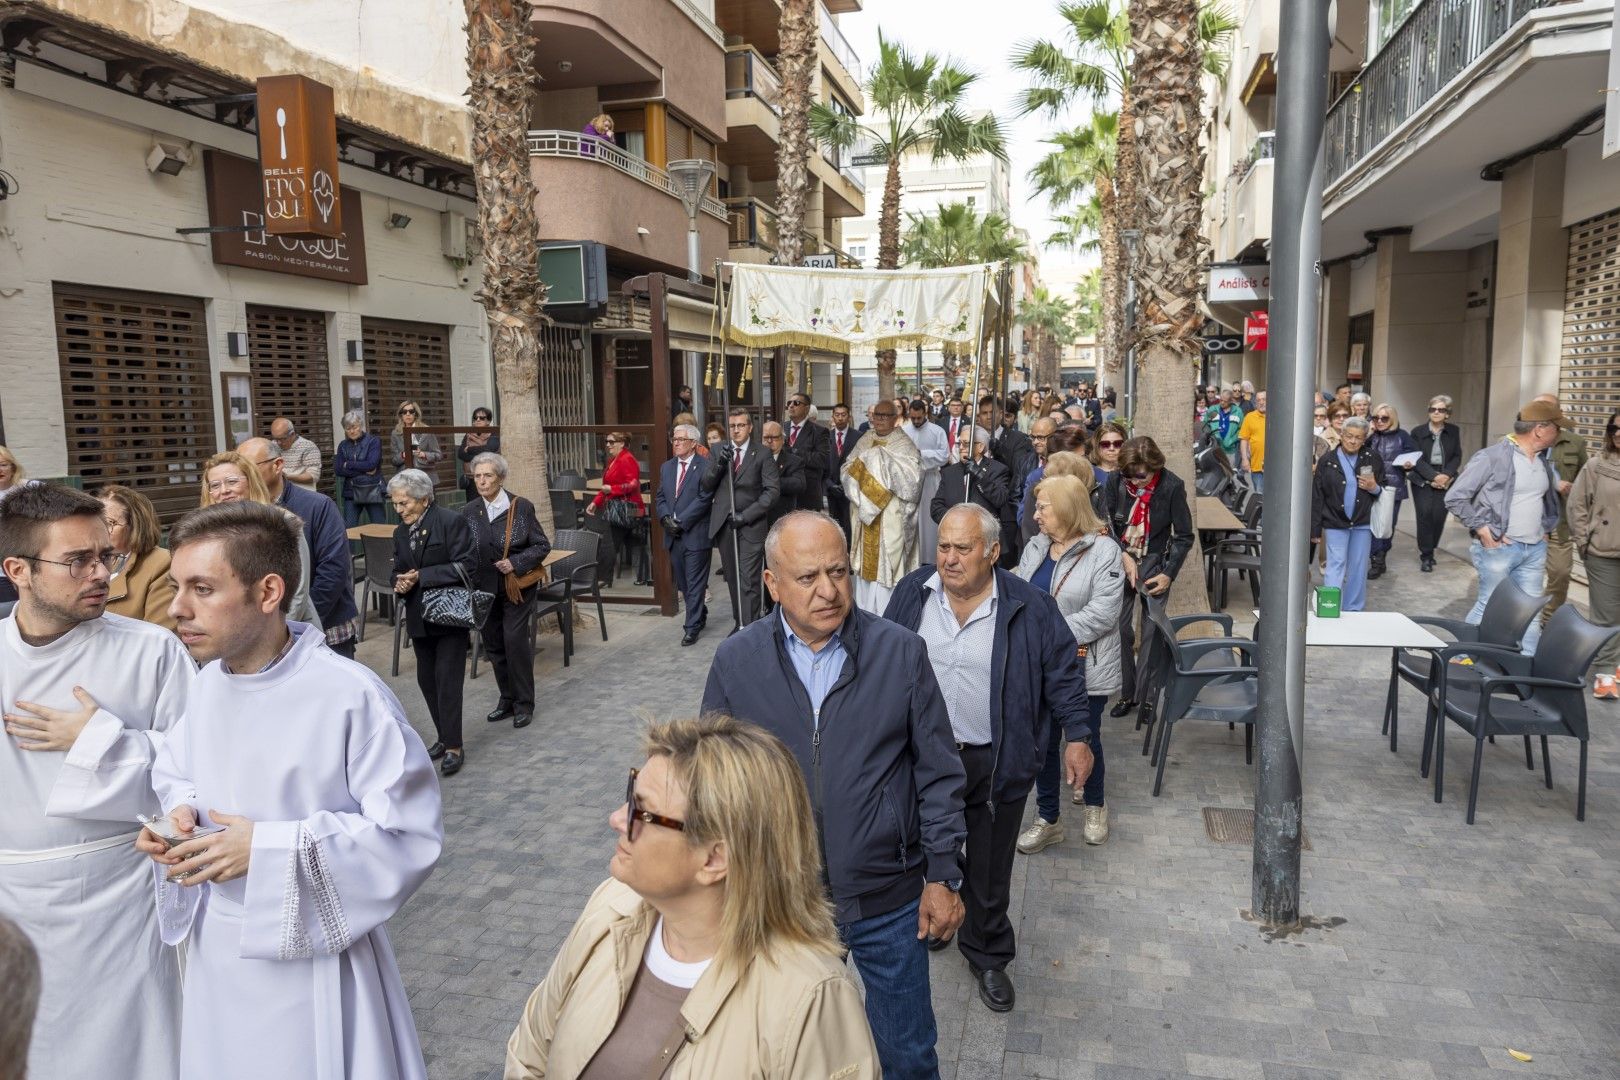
(1226, 825)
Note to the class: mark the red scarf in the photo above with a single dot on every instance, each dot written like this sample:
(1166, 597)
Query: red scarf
(1139, 527)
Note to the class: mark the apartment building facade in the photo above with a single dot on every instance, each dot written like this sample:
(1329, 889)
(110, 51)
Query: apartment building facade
(1471, 222)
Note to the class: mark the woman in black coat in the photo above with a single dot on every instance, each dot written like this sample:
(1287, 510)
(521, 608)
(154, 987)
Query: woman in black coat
(1145, 506)
(509, 540)
(1389, 441)
(433, 549)
(474, 443)
(1351, 469)
(1440, 445)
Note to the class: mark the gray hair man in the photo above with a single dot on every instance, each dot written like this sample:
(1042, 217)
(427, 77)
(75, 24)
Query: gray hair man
(1507, 496)
(1006, 666)
(1567, 455)
(300, 458)
(681, 505)
(854, 698)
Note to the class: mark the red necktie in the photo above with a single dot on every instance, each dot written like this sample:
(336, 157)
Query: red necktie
(736, 462)
(953, 432)
(840, 443)
(680, 479)
(793, 435)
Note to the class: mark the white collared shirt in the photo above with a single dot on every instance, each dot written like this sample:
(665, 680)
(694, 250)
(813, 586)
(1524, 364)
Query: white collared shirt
(495, 509)
(960, 654)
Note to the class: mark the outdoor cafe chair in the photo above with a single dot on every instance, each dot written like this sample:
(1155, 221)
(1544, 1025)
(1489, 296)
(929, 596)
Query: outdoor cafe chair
(1151, 664)
(1236, 552)
(1548, 700)
(1228, 693)
(574, 577)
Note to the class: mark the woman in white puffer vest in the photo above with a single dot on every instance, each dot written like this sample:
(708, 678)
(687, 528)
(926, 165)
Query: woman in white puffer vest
(1075, 560)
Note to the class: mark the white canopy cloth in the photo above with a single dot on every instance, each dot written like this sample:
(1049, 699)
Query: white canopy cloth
(842, 310)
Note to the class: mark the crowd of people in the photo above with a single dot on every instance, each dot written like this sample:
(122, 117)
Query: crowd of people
(930, 614)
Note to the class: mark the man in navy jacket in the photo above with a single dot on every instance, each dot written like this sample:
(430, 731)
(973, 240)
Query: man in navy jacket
(853, 697)
(331, 567)
(1007, 667)
(683, 511)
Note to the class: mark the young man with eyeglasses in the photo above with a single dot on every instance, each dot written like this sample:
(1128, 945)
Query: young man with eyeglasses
(1439, 445)
(88, 698)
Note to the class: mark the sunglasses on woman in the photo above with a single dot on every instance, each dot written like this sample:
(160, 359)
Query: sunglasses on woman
(1380, 419)
(407, 412)
(635, 814)
(1110, 444)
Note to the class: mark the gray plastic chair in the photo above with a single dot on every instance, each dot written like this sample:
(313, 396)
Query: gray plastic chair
(1227, 694)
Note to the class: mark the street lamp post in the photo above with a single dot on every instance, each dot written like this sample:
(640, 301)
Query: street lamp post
(691, 176)
(1132, 238)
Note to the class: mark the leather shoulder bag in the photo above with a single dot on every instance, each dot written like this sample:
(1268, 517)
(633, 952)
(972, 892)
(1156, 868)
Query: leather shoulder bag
(516, 583)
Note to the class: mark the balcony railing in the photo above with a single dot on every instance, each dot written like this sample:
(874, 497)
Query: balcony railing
(1432, 47)
(839, 44)
(748, 74)
(754, 224)
(573, 144)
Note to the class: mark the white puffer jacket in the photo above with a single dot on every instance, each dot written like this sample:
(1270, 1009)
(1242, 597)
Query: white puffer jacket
(1089, 596)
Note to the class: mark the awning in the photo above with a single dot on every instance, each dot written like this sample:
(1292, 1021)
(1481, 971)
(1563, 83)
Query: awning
(841, 310)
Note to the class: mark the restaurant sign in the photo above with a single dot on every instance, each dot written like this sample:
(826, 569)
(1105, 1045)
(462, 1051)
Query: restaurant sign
(298, 157)
(236, 198)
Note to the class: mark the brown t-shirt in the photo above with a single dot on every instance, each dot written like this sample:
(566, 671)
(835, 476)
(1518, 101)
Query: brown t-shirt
(650, 1016)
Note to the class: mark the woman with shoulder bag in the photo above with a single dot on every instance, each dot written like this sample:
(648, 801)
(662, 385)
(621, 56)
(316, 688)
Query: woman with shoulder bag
(433, 550)
(511, 547)
(1344, 488)
(1075, 560)
(621, 505)
(1389, 441)
(1594, 523)
(358, 460)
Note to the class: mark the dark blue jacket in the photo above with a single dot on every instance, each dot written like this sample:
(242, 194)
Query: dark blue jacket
(1035, 675)
(691, 508)
(331, 568)
(884, 776)
(358, 462)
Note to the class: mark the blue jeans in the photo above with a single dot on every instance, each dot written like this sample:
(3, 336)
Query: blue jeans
(1049, 781)
(1526, 564)
(1258, 480)
(893, 963)
(353, 512)
(1348, 551)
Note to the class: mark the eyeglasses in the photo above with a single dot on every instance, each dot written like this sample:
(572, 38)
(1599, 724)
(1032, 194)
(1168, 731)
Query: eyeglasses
(634, 813)
(1439, 409)
(115, 523)
(1380, 419)
(407, 412)
(217, 486)
(1110, 444)
(112, 561)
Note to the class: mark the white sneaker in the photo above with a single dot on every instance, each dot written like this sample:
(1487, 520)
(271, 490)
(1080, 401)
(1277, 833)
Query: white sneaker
(1096, 827)
(1039, 836)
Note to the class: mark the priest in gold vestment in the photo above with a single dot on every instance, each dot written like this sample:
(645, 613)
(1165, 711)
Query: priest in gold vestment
(883, 482)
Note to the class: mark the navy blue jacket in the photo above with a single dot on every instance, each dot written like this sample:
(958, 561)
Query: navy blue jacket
(1035, 675)
(691, 509)
(884, 776)
(359, 458)
(331, 568)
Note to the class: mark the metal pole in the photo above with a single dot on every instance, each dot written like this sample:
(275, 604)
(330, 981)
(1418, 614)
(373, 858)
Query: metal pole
(919, 392)
(694, 256)
(1296, 232)
(736, 554)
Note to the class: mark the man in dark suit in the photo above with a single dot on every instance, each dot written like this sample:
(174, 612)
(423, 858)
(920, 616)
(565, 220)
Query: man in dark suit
(1013, 449)
(984, 481)
(807, 440)
(792, 473)
(841, 440)
(683, 510)
(743, 466)
(954, 422)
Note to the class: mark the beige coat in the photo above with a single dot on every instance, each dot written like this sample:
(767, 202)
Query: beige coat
(797, 1016)
(142, 590)
(1594, 508)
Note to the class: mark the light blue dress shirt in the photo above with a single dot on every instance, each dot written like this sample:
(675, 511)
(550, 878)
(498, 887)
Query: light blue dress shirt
(817, 671)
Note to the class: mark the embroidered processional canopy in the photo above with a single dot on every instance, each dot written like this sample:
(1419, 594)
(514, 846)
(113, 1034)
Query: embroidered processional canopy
(844, 310)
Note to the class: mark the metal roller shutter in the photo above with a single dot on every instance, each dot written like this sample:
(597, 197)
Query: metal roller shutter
(137, 399)
(407, 361)
(288, 358)
(1589, 383)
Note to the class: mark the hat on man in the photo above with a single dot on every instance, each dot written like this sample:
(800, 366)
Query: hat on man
(1544, 412)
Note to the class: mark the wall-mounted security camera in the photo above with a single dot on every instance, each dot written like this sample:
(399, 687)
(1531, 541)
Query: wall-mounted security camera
(168, 158)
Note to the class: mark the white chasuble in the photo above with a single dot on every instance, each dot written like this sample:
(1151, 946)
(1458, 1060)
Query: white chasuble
(883, 481)
(290, 973)
(69, 872)
(935, 447)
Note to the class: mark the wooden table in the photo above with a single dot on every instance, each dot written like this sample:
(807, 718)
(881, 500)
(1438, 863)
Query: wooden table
(370, 529)
(557, 555)
(1216, 516)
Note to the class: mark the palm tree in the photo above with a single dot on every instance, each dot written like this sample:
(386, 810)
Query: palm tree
(796, 63)
(916, 105)
(1050, 317)
(956, 235)
(1088, 304)
(1086, 159)
(501, 80)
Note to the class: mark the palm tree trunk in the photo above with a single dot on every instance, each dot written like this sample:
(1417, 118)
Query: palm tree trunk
(1166, 102)
(888, 259)
(500, 72)
(796, 62)
(1113, 344)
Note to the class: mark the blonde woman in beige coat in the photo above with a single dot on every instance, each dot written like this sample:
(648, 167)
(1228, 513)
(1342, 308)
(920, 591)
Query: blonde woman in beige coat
(711, 952)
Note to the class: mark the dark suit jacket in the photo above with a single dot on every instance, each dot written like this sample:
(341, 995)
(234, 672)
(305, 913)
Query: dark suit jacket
(1014, 450)
(757, 483)
(991, 490)
(945, 422)
(835, 459)
(438, 543)
(1450, 448)
(811, 449)
(691, 508)
(530, 545)
(792, 481)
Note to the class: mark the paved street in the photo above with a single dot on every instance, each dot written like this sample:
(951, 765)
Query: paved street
(1440, 945)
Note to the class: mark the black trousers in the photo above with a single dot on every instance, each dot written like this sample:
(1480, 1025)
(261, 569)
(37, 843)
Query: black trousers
(1127, 645)
(441, 672)
(689, 564)
(986, 937)
(507, 644)
(1429, 509)
(838, 507)
(752, 553)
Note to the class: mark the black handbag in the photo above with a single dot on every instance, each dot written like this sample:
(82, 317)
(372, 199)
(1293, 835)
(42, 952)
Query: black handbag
(459, 606)
(621, 514)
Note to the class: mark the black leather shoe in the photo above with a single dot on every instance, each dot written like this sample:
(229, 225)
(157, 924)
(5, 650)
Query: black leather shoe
(452, 765)
(1121, 708)
(436, 751)
(1427, 566)
(936, 944)
(689, 638)
(995, 990)
(522, 720)
(499, 713)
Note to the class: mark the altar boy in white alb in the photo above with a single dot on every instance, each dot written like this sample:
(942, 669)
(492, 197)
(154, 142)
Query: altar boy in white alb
(87, 698)
(331, 821)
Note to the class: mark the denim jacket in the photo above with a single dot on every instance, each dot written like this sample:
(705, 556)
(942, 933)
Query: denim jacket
(1483, 493)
